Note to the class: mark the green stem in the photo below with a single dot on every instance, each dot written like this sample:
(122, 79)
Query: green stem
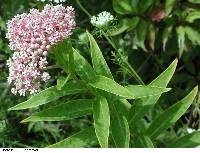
(82, 8)
(110, 41)
(52, 67)
(131, 71)
(127, 66)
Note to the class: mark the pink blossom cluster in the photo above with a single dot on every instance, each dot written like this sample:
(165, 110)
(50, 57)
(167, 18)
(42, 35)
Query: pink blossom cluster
(31, 35)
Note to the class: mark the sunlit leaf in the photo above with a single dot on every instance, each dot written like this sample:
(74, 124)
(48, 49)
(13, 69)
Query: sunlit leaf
(99, 64)
(84, 138)
(101, 121)
(141, 106)
(171, 115)
(65, 111)
(188, 141)
(83, 68)
(129, 92)
(193, 15)
(50, 94)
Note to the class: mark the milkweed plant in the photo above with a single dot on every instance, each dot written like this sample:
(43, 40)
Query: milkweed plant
(118, 111)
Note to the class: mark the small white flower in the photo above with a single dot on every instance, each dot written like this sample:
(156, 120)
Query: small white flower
(190, 130)
(102, 20)
(56, 1)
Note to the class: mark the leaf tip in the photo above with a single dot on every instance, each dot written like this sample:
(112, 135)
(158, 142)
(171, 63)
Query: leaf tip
(195, 89)
(176, 60)
(12, 109)
(29, 119)
(23, 121)
(168, 89)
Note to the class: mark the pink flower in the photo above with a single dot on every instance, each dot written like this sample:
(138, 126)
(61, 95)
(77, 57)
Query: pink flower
(31, 35)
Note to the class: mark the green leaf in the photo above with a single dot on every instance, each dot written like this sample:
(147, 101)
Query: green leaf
(141, 106)
(122, 105)
(129, 92)
(125, 24)
(193, 35)
(141, 34)
(194, 1)
(122, 7)
(181, 39)
(64, 55)
(140, 91)
(171, 115)
(65, 111)
(83, 68)
(61, 81)
(134, 4)
(192, 16)
(101, 121)
(120, 132)
(169, 5)
(144, 5)
(152, 36)
(109, 85)
(188, 141)
(50, 94)
(99, 64)
(84, 138)
(142, 141)
(166, 34)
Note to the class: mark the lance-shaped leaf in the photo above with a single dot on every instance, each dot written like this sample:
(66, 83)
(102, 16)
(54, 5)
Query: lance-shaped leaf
(120, 132)
(142, 141)
(122, 7)
(192, 16)
(99, 64)
(65, 111)
(63, 54)
(141, 106)
(101, 121)
(188, 141)
(122, 106)
(84, 138)
(144, 5)
(166, 34)
(142, 27)
(109, 85)
(50, 94)
(171, 115)
(192, 34)
(169, 5)
(129, 92)
(83, 68)
(140, 91)
(181, 39)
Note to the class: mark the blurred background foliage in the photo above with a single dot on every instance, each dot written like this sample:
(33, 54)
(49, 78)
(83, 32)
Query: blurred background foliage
(150, 35)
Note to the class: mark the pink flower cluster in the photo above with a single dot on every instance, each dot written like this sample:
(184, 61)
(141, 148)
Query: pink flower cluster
(31, 35)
